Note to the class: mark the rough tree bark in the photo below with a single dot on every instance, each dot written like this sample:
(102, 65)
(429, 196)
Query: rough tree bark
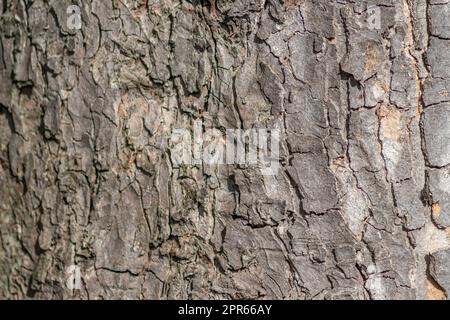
(360, 208)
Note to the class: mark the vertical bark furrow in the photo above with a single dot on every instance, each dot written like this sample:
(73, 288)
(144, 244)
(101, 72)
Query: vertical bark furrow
(92, 91)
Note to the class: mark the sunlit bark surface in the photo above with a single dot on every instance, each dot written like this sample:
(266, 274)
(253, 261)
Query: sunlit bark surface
(359, 209)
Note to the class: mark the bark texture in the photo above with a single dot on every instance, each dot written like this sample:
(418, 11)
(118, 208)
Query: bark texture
(360, 208)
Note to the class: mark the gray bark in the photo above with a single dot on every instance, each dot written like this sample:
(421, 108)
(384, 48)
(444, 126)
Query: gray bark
(360, 208)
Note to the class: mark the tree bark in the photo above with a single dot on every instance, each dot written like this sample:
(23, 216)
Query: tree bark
(89, 98)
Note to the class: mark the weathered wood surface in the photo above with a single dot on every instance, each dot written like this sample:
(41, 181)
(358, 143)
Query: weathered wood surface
(360, 208)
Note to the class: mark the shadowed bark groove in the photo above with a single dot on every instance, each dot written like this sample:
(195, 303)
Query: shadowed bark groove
(359, 209)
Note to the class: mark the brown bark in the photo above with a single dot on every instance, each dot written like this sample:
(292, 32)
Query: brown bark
(91, 94)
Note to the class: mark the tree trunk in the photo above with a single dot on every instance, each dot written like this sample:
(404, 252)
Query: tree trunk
(93, 204)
